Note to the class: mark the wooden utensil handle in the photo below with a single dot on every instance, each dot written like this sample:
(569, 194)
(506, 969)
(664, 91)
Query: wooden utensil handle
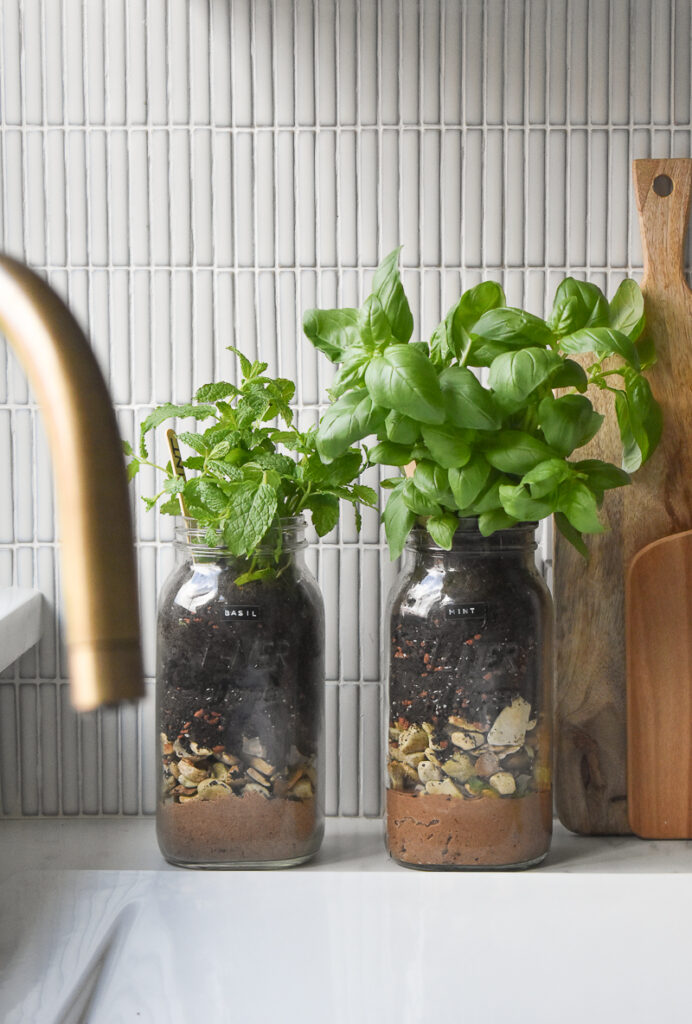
(666, 182)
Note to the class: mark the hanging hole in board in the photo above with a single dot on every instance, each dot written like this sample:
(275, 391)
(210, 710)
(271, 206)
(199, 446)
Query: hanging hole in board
(663, 185)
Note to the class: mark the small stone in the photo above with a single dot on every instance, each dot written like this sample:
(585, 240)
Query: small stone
(254, 787)
(414, 759)
(428, 772)
(229, 759)
(253, 747)
(503, 783)
(166, 746)
(395, 769)
(198, 751)
(213, 789)
(429, 728)
(190, 771)
(257, 777)
(487, 765)
(467, 740)
(510, 725)
(523, 784)
(444, 788)
(463, 723)
(413, 740)
(474, 787)
(185, 799)
(260, 765)
(460, 767)
(174, 769)
(517, 763)
(302, 789)
(432, 755)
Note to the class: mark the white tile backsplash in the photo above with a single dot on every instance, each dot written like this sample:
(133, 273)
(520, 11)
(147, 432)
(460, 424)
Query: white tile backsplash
(197, 173)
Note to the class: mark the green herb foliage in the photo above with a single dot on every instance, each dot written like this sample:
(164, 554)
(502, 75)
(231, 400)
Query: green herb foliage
(244, 482)
(503, 452)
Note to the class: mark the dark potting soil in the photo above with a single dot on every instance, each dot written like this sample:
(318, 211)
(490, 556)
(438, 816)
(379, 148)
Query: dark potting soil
(247, 663)
(464, 642)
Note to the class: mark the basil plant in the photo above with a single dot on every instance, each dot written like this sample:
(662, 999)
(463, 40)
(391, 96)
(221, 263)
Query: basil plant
(507, 450)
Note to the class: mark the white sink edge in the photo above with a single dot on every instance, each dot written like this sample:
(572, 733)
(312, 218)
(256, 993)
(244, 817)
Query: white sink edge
(20, 622)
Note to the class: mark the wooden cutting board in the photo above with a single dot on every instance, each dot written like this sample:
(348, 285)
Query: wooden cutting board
(591, 730)
(658, 603)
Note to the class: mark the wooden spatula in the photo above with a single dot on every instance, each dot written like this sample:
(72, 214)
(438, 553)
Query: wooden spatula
(659, 689)
(658, 535)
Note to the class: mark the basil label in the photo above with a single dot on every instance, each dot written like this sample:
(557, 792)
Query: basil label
(243, 611)
(467, 611)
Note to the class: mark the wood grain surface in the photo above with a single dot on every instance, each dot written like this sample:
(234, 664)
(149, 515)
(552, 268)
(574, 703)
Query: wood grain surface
(658, 603)
(591, 728)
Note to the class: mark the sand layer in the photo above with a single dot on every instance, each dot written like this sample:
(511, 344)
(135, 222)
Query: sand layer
(446, 831)
(238, 830)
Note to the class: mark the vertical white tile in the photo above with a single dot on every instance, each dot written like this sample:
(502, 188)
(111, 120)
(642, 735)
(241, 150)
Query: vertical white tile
(472, 198)
(202, 328)
(329, 584)
(222, 198)
(73, 60)
(661, 62)
(368, 16)
(23, 492)
(94, 85)
(305, 62)
(115, 70)
(371, 749)
(266, 317)
(619, 62)
(389, 11)
(618, 199)
(291, 338)
(118, 191)
(515, 214)
(161, 336)
(432, 200)
(599, 63)
(29, 750)
(243, 198)
(157, 60)
(224, 319)
(331, 743)
(370, 613)
(44, 486)
(9, 752)
(97, 198)
(368, 174)
(495, 66)
(349, 613)
(10, 69)
(577, 210)
(34, 232)
(390, 234)
(347, 61)
(220, 66)
(450, 185)
(409, 183)
(493, 199)
(138, 196)
(409, 62)
(535, 199)
(99, 319)
(326, 198)
(199, 63)
(246, 314)
(263, 62)
(284, 83)
(129, 760)
(431, 55)
(201, 198)
(241, 64)
(681, 67)
(49, 781)
(578, 39)
(536, 69)
(641, 67)
(472, 64)
(119, 335)
(53, 69)
(55, 193)
(431, 310)
(6, 493)
(305, 199)
(109, 802)
(14, 188)
(179, 63)
(555, 224)
(136, 61)
(48, 644)
(180, 210)
(349, 749)
(32, 85)
(558, 61)
(147, 756)
(450, 66)
(264, 198)
(598, 199)
(182, 332)
(285, 199)
(325, 72)
(89, 763)
(76, 198)
(69, 753)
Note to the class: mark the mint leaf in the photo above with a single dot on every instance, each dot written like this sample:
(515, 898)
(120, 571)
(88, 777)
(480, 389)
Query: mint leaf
(167, 412)
(325, 512)
(252, 508)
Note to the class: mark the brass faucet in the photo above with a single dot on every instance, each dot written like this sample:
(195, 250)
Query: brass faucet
(98, 558)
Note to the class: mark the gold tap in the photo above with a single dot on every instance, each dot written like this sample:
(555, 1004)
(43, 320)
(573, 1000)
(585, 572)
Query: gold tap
(98, 558)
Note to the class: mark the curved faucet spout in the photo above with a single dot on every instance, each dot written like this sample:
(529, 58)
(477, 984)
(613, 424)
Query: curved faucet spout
(98, 559)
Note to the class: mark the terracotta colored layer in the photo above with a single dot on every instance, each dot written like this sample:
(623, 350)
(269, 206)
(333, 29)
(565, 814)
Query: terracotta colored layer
(238, 830)
(441, 831)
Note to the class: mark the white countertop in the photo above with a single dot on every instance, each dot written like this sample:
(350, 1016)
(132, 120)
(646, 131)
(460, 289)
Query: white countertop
(98, 928)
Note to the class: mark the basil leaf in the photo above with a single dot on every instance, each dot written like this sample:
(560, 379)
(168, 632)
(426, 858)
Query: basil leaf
(373, 323)
(468, 482)
(571, 534)
(466, 401)
(568, 422)
(578, 504)
(626, 311)
(432, 481)
(398, 520)
(513, 451)
(387, 286)
(497, 519)
(331, 331)
(603, 342)
(349, 419)
(501, 330)
(386, 453)
(442, 529)
(569, 375)
(253, 508)
(517, 502)
(420, 504)
(451, 337)
(446, 446)
(405, 380)
(578, 304)
(401, 429)
(547, 476)
(602, 476)
(640, 421)
(515, 375)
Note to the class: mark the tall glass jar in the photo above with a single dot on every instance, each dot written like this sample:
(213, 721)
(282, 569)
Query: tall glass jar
(240, 706)
(470, 687)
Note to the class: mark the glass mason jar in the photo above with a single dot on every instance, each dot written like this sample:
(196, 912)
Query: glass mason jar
(240, 706)
(470, 691)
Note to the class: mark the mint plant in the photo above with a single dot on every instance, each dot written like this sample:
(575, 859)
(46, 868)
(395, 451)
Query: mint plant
(502, 451)
(245, 483)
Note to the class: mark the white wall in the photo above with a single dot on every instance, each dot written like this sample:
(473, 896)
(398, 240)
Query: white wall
(195, 173)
